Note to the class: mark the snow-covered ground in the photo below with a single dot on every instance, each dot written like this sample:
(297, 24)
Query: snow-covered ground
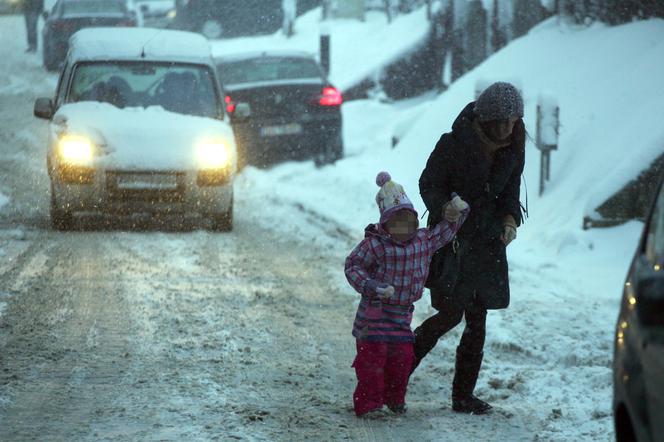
(547, 367)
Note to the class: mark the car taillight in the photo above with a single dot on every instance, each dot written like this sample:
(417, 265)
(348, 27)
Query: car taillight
(330, 97)
(230, 104)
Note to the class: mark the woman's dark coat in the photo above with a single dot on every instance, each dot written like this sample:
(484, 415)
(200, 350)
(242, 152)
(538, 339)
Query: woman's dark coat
(460, 163)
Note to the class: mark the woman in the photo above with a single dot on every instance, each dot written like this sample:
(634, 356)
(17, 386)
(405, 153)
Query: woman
(481, 160)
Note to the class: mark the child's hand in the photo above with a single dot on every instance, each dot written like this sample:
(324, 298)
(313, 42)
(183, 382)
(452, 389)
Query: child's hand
(452, 210)
(384, 291)
(451, 213)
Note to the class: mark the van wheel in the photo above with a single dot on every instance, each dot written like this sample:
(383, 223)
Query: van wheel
(212, 29)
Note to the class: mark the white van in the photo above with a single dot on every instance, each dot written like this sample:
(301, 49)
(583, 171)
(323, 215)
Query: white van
(138, 125)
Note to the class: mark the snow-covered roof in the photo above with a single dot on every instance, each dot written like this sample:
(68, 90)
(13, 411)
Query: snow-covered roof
(131, 43)
(257, 54)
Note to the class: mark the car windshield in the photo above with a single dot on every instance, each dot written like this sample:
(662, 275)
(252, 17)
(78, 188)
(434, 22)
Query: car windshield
(267, 69)
(93, 7)
(184, 89)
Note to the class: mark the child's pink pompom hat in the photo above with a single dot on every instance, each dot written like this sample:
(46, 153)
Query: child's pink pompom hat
(391, 197)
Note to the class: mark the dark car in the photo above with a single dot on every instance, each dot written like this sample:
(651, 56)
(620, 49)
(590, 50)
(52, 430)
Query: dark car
(68, 16)
(638, 366)
(282, 107)
(229, 18)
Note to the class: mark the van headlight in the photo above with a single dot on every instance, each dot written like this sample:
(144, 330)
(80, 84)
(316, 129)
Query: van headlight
(213, 155)
(76, 150)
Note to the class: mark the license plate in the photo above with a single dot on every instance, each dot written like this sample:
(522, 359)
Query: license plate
(147, 181)
(284, 129)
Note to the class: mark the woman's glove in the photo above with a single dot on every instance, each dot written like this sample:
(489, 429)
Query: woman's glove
(509, 230)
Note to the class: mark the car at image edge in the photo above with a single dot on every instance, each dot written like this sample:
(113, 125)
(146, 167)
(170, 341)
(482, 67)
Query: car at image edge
(638, 365)
(139, 127)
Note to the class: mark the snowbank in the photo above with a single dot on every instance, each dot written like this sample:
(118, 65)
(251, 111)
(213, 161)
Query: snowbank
(608, 85)
(149, 138)
(95, 43)
(358, 49)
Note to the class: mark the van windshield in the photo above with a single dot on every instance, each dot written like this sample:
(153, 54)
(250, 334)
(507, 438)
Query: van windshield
(180, 88)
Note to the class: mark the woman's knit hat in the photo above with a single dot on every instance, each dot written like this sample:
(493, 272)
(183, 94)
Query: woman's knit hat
(500, 101)
(391, 197)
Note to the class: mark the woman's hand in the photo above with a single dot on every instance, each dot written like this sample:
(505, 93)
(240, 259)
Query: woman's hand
(509, 230)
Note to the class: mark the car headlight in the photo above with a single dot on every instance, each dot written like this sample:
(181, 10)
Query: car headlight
(213, 155)
(172, 14)
(76, 150)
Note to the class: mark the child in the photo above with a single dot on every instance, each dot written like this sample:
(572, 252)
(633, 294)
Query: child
(389, 268)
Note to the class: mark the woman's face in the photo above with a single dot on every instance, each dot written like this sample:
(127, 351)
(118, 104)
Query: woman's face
(499, 130)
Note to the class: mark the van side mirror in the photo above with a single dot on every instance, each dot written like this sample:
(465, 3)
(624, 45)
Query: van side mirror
(43, 108)
(650, 299)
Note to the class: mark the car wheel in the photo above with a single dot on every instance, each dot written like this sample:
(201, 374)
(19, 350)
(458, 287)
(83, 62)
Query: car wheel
(332, 152)
(60, 219)
(223, 222)
(49, 60)
(337, 150)
(212, 29)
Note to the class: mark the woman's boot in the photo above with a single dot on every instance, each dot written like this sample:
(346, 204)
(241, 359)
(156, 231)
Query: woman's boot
(465, 377)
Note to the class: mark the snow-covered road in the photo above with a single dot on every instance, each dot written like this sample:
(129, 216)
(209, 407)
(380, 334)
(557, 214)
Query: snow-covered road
(147, 332)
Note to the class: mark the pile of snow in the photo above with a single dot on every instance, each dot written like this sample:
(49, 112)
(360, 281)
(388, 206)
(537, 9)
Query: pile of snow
(151, 138)
(607, 82)
(359, 50)
(548, 355)
(94, 43)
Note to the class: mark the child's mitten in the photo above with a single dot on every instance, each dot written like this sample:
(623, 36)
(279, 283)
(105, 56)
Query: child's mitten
(384, 291)
(458, 203)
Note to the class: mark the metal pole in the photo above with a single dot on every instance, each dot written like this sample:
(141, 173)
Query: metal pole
(388, 10)
(542, 172)
(325, 53)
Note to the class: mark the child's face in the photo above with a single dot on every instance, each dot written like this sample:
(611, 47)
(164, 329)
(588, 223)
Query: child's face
(402, 225)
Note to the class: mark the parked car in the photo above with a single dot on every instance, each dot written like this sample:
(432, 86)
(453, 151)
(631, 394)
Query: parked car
(138, 125)
(157, 13)
(282, 106)
(638, 366)
(229, 18)
(69, 16)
